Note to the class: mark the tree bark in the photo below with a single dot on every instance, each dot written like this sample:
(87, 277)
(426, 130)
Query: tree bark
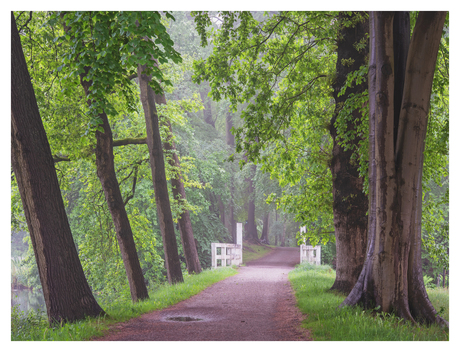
(207, 112)
(230, 138)
(165, 220)
(264, 237)
(66, 292)
(185, 224)
(251, 205)
(108, 178)
(283, 236)
(392, 278)
(350, 203)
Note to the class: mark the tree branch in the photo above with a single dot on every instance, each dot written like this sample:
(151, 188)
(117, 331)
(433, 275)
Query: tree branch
(128, 141)
(58, 158)
(116, 143)
(27, 22)
(131, 196)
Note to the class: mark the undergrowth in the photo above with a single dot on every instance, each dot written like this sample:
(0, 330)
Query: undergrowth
(33, 325)
(327, 323)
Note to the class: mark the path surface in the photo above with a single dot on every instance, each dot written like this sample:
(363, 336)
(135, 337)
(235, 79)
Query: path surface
(257, 304)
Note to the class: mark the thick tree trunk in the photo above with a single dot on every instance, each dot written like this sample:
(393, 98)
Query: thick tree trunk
(392, 274)
(106, 174)
(350, 203)
(67, 294)
(185, 224)
(165, 220)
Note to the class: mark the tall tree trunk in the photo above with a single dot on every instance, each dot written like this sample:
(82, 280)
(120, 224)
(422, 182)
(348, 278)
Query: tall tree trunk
(185, 224)
(264, 237)
(221, 207)
(159, 179)
(106, 174)
(207, 112)
(66, 292)
(251, 229)
(230, 138)
(392, 273)
(283, 236)
(350, 203)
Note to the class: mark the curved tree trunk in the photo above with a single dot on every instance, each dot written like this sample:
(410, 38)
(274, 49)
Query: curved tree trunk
(185, 224)
(350, 203)
(392, 274)
(107, 176)
(67, 294)
(165, 220)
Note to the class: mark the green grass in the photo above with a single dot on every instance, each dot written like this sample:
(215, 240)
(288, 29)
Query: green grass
(327, 323)
(253, 251)
(34, 326)
(439, 297)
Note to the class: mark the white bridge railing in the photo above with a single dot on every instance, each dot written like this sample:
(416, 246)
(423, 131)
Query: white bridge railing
(228, 254)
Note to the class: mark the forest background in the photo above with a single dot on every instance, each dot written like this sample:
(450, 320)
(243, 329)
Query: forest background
(202, 139)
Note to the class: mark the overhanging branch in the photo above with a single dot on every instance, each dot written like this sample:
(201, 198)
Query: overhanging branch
(116, 143)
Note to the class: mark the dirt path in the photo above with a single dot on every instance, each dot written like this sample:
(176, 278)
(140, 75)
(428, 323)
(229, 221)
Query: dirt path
(257, 304)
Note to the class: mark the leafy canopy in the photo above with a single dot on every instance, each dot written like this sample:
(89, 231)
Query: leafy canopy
(107, 46)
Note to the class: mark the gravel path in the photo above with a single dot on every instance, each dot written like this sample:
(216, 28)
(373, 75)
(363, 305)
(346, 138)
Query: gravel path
(257, 304)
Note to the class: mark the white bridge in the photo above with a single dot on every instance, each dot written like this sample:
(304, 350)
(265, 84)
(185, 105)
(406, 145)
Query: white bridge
(228, 254)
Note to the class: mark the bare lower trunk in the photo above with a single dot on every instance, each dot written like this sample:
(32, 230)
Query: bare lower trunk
(67, 294)
(392, 274)
(185, 224)
(350, 203)
(165, 220)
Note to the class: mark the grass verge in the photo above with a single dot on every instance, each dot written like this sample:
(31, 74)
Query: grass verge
(327, 323)
(33, 326)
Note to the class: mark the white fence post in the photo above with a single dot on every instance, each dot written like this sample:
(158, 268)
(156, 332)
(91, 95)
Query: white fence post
(239, 233)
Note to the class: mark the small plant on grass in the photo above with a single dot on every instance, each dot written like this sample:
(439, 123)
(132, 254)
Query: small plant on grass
(428, 281)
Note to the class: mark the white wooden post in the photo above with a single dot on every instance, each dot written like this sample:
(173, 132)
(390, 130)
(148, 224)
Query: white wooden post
(214, 256)
(302, 249)
(239, 233)
(239, 243)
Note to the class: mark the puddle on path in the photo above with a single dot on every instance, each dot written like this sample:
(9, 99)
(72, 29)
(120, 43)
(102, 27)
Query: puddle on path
(184, 319)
